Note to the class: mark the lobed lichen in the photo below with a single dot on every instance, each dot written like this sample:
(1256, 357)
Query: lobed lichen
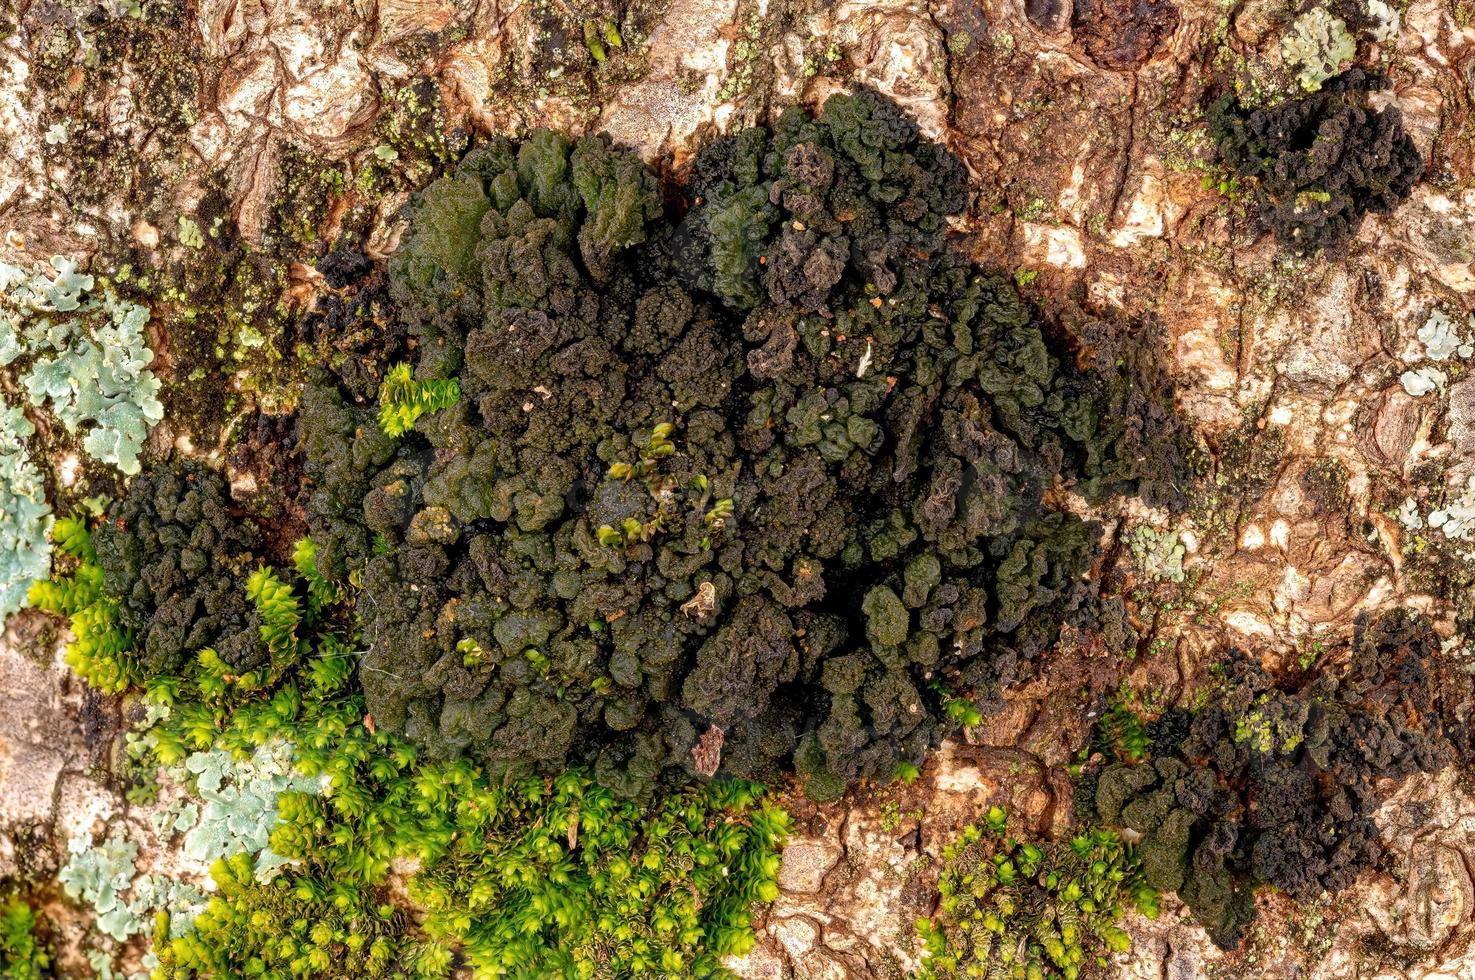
(173, 555)
(79, 353)
(1276, 784)
(1320, 162)
(772, 479)
(25, 516)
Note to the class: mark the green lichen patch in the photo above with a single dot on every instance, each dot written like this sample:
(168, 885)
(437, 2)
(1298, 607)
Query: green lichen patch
(81, 354)
(608, 513)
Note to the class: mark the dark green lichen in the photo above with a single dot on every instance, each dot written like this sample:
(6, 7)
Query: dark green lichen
(1320, 162)
(752, 480)
(174, 556)
(1277, 785)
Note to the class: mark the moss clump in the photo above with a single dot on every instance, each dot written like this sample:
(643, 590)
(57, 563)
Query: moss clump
(529, 877)
(770, 471)
(1011, 908)
(1320, 161)
(101, 650)
(23, 955)
(289, 924)
(402, 399)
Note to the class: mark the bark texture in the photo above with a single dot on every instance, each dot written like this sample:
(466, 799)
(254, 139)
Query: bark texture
(1082, 127)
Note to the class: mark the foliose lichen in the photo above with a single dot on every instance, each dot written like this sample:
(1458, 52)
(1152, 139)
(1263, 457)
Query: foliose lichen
(1317, 47)
(79, 353)
(85, 357)
(173, 555)
(25, 516)
(770, 480)
(1320, 162)
(1276, 783)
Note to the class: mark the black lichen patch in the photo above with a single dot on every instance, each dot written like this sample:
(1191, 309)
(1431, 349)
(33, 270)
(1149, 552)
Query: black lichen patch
(819, 205)
(767, 487)
(1320, 162)
(1270, 784)
(351, 331)
(269, 462)
(175, 556)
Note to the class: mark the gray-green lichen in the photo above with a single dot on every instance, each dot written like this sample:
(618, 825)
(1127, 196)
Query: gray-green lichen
(84, 357)
(1316, 47)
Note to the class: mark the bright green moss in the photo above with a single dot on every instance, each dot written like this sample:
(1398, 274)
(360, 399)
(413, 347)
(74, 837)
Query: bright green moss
(527, 878)
(101, 649)
(23, 956)
(403, 399)
(1121, 733)
(289, 926)
(1015, 909)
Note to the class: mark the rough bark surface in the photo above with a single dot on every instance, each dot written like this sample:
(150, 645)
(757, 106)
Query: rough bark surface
(1079, 126)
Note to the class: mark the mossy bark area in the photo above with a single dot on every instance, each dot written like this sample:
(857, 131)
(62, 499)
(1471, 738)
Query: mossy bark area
(212, 160)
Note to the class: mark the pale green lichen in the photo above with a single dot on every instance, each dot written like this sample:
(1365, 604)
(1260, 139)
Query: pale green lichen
(88, 358)
(98, 876)
(103, 877)
(1158, 553)
(240, 811)
(241, 803)
(102, 968)
(1457, 517)
(1316, 47)
(25, 517)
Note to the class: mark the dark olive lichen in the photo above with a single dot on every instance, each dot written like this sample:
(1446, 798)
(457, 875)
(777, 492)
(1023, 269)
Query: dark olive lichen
(174, 556)
(774, 477)
(1319, 162)
(820, 206)
(1277, 785)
